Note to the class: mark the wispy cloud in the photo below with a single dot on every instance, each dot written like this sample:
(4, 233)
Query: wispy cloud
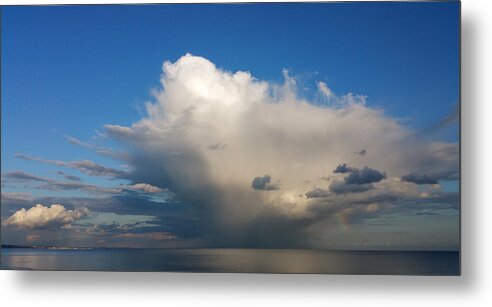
(102, 150)
(20, 175)
(85, 166)
(449, 119)
(69, 177)
(55, 185)
(14, 197)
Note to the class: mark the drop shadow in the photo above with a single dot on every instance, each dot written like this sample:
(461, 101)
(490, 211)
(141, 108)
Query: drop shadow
(469, 149)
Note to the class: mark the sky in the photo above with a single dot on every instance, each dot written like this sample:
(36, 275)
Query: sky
(313, 125)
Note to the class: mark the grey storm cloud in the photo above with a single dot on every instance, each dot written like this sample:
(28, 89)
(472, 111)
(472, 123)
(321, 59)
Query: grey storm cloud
(341, 187)
(375, 202)
(356, 176)
(430, 178)
(342, 169)
(364, 176)
(317, 193)
(420, 179)
(264, 183)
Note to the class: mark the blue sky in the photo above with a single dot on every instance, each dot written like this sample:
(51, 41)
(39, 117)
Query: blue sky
(71, 70)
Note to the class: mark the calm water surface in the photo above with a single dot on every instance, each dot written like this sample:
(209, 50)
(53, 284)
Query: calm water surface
(234, 260)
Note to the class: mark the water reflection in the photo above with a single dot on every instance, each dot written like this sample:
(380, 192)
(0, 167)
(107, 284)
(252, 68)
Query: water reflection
(235, 260)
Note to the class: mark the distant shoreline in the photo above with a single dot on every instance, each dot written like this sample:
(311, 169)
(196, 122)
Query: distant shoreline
(12, 246)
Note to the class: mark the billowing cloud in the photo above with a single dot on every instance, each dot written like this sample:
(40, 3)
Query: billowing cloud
(357, 180)
(210, 134)
(269, 129)
(41, 217)
(264, 183)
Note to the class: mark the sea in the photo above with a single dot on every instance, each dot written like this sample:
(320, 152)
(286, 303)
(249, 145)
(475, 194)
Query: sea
(221, 260)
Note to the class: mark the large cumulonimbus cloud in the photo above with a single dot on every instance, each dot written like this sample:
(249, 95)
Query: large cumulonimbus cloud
(210, 132)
